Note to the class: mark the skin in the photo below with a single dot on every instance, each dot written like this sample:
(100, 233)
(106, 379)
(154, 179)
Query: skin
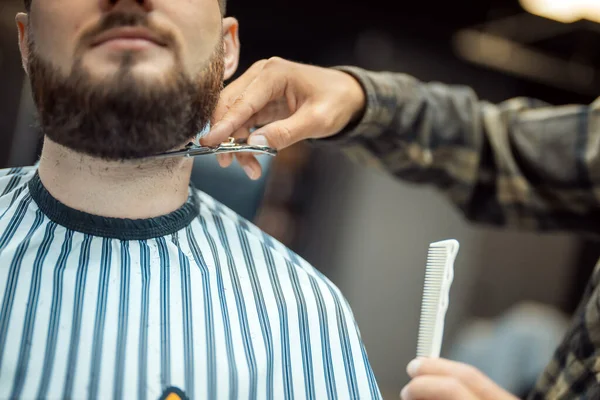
(131, 189)
(440, 379)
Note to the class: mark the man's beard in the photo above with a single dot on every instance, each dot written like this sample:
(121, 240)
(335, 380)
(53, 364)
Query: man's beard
(126, 117)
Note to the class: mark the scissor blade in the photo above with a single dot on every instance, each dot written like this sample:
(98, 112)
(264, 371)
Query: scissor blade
(192, 152)
(247, 149)
(201, 150)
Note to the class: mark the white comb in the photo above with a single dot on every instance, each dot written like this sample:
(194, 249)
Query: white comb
(439, 275)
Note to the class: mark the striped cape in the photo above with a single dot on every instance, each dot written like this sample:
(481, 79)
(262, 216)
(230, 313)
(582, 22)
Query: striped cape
(197, 304)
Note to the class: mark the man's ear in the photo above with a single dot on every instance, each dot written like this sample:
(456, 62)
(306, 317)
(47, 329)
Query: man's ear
(231, 44)
(22, 20)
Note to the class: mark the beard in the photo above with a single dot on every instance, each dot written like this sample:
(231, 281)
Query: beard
(124, 117)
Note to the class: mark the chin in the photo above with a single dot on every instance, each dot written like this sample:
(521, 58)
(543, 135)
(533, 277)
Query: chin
(138, 76)
(134, 64)
(151, 73)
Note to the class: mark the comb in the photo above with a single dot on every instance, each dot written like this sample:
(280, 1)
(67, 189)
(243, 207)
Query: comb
(439, 274)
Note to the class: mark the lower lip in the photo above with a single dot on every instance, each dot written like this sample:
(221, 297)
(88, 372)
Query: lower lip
(128, 44)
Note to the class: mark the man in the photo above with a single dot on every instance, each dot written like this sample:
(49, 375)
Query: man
(518, 164)
(118, 280)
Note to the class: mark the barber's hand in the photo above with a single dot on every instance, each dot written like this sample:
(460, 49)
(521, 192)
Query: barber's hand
(290, 102)
(440, 379)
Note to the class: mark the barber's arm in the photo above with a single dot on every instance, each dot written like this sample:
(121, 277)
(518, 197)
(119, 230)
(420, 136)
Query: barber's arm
(521, 163)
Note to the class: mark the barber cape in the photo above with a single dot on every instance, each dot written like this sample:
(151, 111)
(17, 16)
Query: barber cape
(197, 304)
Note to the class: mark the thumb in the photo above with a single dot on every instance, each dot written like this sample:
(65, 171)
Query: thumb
(286, 132)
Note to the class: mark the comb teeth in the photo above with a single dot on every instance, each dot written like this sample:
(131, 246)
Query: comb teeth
(438, 277)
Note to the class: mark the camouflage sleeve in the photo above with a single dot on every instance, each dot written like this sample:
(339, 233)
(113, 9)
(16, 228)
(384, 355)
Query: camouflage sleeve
(521, 163)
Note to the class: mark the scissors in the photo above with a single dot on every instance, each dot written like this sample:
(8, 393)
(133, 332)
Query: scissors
(231, 146)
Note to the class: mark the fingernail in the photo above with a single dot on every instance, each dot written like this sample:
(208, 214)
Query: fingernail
(413, 367)
(249, 171)
(258, 140)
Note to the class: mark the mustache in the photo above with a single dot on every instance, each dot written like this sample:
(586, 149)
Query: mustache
(126, 20)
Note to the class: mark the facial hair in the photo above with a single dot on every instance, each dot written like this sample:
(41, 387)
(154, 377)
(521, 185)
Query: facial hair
(123, 118)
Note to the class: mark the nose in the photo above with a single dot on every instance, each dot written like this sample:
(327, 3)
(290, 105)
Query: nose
(126, 5)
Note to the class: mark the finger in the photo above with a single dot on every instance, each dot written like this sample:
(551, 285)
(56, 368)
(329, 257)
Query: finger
(258, 93)
(284, 133)
(470, 376)
(247, 161)
(250, 165)
(274, 111)
(436, 388)
(224, 160)
(235, 89)
(268, 116)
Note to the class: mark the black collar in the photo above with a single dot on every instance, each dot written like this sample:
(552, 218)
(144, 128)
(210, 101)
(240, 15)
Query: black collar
(117, 228)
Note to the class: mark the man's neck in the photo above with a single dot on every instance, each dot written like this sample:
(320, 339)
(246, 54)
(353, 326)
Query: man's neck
(133, 190)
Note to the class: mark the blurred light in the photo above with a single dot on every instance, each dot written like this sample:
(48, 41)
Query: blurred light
(566, 11)
(515, 58)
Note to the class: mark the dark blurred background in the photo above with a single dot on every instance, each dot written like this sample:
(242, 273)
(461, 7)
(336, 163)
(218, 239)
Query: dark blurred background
(368, 233)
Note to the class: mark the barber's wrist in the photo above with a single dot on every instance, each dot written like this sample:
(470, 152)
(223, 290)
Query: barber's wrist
(355, 104)
(353, 123)
(357, 97)
(360, 109)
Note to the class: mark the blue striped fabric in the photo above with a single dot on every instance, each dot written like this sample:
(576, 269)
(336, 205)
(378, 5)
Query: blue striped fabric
(216, 310)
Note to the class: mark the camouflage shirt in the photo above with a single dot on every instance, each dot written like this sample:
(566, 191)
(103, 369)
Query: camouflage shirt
(519, 164)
